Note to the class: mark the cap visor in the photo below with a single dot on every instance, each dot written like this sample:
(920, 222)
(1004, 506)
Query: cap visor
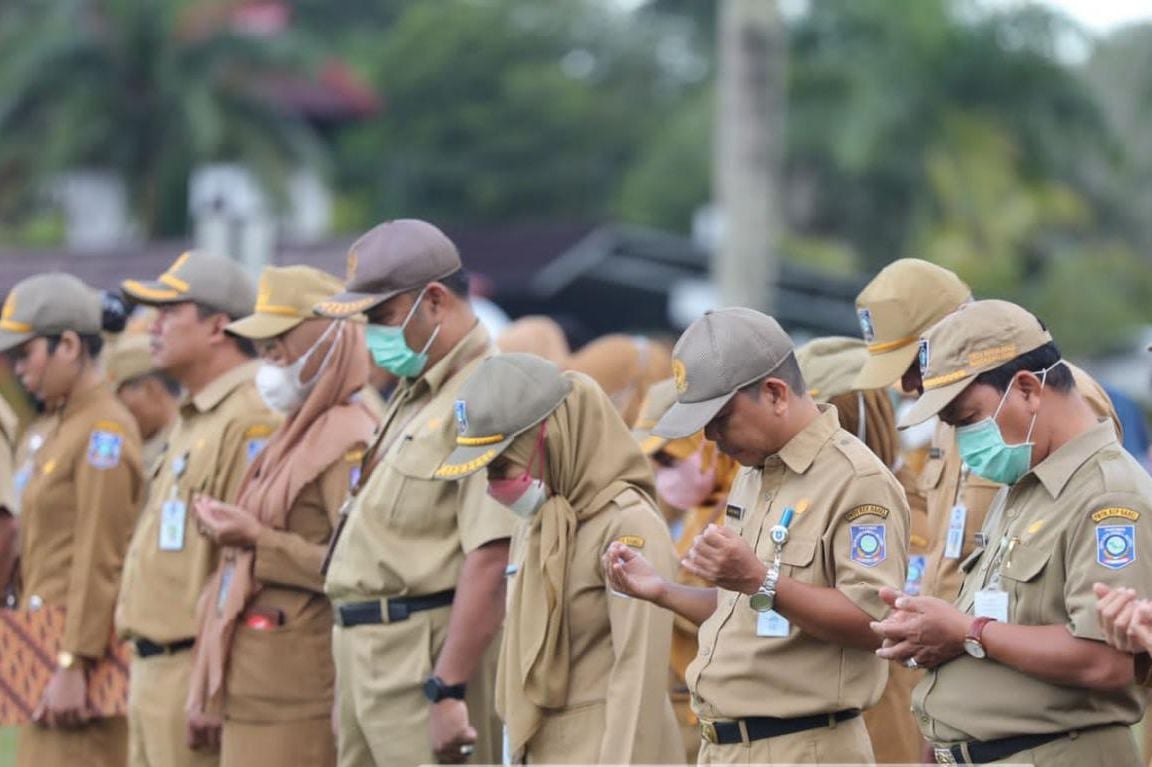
(152, 292)
(467, 460)
(686, 418)
(348, 304)
(933, 401)
(10, 340)
(260, 326)
(884, 369)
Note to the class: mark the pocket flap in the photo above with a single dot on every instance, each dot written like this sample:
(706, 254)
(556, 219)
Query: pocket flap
(1025, 563)
(930, 475)
(970, 561)
(798, 552)
(420, 451)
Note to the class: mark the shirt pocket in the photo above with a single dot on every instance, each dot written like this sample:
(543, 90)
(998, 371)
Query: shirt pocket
(414, 500)
(1021, 576)
(930, 475)
(799, 555)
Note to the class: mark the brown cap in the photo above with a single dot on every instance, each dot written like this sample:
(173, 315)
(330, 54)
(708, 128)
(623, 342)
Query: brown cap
(205, 278)
(129, 356)
(716, 356)
(977, 338)
(830, 365)
(285, 298)
(392, 258)
(899, 305)
(506, 396)
(661, 397)
(49, 304)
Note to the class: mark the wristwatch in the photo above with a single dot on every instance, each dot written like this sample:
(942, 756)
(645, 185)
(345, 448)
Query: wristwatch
(972, 644)
(435, 690)
(765, 599)
(66, 660)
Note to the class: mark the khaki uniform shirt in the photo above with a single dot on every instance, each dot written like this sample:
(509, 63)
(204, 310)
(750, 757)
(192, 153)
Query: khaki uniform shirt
(288, 569)
(154, 448)
(30, 444)
(958, 500)
(219, 432)
(407, 533)
(80, 505)
(1083, 514)
(849, 532)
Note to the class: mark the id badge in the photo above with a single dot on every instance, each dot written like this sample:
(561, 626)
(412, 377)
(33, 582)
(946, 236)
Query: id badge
(771, 624)
(992, 603)
(172, 515)
(955, 541)
(226, 576)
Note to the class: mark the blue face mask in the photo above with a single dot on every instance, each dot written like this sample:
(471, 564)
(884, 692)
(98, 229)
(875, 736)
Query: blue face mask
(984, 450)
(391, 352)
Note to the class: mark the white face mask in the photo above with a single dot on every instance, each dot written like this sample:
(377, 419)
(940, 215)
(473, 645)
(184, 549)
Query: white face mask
(530, 502)
(280, 386)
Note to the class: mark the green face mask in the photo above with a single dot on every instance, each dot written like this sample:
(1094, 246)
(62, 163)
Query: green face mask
(391, 352)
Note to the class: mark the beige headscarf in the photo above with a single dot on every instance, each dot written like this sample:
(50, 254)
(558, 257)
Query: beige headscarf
(329, 424)
(536, 334)
(879, 421)
(590, 459)
(625, 366)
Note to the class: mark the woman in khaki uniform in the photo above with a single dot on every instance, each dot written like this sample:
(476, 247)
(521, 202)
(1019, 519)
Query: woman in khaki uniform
(624, 366)
(78, 507)
(583, 671)
(263, 650)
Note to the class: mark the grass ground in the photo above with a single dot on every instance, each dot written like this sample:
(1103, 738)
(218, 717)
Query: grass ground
(7, 746)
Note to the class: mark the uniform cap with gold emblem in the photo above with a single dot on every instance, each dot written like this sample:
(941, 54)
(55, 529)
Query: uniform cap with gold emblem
(720, 353)
(207, 279)
(392, 258)
(661, 397)
(49, 304)
(506, 396)
(979, 337)
(830, 365)
(128, 357)
(900, 303)
(286, 297)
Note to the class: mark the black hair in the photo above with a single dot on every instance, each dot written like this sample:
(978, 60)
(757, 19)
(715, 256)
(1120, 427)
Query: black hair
(245, 345)
(788, 371)
(91, 343)
(113, 317)
(457, 282)
(1058, 379)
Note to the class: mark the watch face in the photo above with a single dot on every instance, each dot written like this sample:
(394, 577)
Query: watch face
(974, 648)
(431, 690)
(761, 602)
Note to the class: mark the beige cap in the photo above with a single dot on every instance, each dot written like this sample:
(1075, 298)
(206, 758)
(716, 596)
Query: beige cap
(392, 258)
(977, 338)
(129, 356)
(285, 298)
(49, 304)
(830, 365)
(506, 396)
(205, 278)
(661, 397)
(899, 305)
(716, 356)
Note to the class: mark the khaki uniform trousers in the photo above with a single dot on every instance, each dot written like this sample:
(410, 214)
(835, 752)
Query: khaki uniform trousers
(157, 724)
(380, 673)
(101, 743)
(846, 743)
(308, 743)
(895, 736)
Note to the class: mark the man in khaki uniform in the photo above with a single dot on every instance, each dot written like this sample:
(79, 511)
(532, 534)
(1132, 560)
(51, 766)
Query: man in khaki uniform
(223, 425)
(815, 525)
(79, 505)
(152, 397)
(416, 576)
(1074, 512)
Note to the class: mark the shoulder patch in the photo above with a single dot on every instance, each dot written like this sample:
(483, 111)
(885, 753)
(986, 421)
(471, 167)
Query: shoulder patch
(635, 541)
(1113, 512)
(866, 509)
(259, 431)
(104, 449)
(253, 447)
(111, 426)
(1116, 545)
(869, 544)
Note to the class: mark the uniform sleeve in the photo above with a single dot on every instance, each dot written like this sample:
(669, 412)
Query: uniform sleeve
(109, 485)
(287, 559)
(869, 541)
(480, 519)
(1111, 544)
(241, 442)
(637, 693)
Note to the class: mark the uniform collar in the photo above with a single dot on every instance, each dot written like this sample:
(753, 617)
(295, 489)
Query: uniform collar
(471, 346)
(1055, 470)
(215, 392)
(83, 399)
(800, 452)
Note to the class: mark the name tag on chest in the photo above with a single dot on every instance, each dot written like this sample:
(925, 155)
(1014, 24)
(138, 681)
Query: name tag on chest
(173, 514)
(771, 624)
(991, 603)
(956, 522)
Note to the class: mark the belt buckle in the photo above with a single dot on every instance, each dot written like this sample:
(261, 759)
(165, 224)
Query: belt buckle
(708, 730)
(943, 755)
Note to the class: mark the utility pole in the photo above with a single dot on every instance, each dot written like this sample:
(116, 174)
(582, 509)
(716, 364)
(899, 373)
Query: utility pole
(748, 145)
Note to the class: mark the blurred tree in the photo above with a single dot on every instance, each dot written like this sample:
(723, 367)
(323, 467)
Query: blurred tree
(150, 89)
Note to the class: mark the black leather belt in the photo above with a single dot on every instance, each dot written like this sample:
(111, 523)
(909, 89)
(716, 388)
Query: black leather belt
(398, 609)
(986, 751)
(146, 648)
(761, 727)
